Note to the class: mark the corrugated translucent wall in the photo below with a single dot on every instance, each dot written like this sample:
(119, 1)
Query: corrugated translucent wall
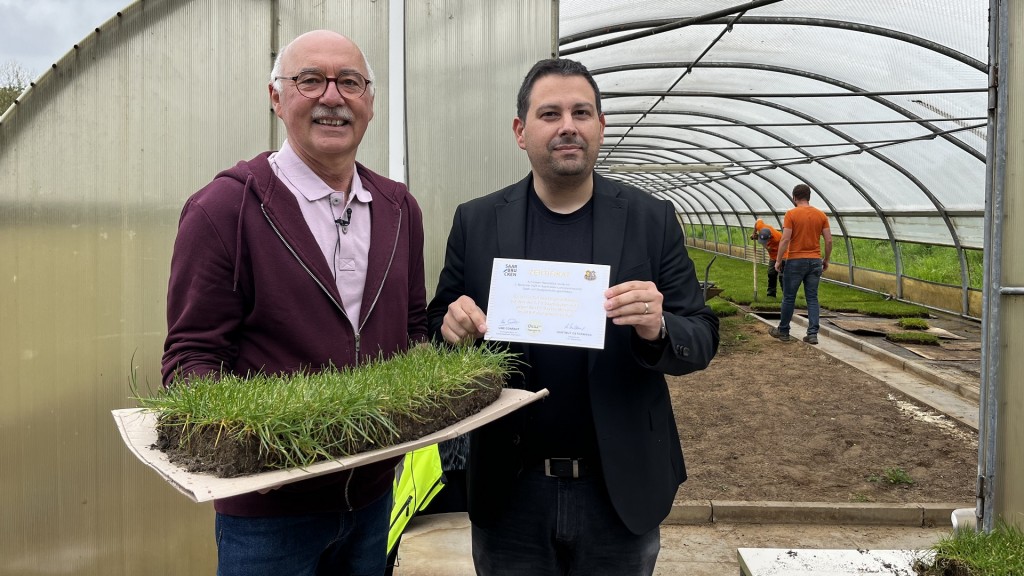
(95, 164)
(462, 85)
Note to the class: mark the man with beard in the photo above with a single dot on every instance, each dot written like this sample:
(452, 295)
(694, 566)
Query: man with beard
(298, 260)
(577, 483)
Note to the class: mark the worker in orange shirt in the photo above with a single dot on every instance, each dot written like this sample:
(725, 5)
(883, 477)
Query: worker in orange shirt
(769, 238)
(802, 231)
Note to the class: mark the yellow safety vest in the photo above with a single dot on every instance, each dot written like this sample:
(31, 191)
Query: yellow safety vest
(417, 480)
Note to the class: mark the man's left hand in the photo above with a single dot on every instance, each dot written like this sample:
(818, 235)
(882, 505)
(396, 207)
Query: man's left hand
(637, 304)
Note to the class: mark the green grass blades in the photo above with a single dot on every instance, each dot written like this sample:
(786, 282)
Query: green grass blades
(912, 323)
(996, 553)
(913, 338)
(304, 417)
(735, 277)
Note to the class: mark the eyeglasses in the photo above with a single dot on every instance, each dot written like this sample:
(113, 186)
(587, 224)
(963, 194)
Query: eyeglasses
(313, 85)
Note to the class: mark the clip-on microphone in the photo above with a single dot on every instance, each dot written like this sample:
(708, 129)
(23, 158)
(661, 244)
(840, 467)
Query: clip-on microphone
(344, 222)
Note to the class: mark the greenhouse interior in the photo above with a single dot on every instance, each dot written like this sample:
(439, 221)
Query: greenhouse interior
(906, 120)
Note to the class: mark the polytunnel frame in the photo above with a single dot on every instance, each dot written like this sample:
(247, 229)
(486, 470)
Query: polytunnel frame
(736, 15)
(995, 188)
(774, 165)
(852, 92)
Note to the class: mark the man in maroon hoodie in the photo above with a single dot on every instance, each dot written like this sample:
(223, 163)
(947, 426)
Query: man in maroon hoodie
(297, 260)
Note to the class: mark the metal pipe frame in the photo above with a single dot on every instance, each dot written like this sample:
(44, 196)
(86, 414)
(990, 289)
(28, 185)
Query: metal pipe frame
(995, 184)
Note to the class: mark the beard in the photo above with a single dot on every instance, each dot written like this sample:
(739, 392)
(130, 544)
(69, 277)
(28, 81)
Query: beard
(582, 163)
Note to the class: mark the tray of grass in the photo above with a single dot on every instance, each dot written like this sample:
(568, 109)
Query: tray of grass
(220, 437)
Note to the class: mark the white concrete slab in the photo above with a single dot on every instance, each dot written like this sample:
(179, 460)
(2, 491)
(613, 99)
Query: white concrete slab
(811, 562)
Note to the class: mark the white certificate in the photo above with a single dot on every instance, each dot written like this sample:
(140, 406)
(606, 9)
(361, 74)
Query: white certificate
(539, 302)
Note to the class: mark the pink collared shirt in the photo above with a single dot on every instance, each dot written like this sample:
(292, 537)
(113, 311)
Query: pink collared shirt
(343, 236)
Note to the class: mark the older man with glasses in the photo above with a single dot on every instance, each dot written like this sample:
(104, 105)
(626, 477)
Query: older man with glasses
(298, 260)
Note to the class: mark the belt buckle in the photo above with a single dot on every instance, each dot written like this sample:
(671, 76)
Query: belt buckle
(575, 467)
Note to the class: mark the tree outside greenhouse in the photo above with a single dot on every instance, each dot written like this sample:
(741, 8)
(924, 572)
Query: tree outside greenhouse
(13, 81)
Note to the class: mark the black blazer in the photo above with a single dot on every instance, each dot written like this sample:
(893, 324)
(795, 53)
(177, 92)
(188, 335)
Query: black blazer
(640, 238)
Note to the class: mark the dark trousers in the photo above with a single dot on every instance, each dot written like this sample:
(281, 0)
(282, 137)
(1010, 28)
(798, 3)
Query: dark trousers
(773, 276)
(337, 543)
(556, 527)
(806, 272)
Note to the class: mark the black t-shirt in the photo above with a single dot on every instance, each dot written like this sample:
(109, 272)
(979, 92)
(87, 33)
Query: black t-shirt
(561, 425)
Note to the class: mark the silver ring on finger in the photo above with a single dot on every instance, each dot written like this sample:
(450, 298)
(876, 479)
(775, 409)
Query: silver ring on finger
(647, 308)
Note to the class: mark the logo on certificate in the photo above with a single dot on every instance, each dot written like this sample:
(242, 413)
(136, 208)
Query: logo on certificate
(590, 275)
(534, 327)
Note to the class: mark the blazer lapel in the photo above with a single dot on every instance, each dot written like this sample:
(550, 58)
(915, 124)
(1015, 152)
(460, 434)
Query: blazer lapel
(609, 225)
(511, 218)
(609, 236)
(511, 230)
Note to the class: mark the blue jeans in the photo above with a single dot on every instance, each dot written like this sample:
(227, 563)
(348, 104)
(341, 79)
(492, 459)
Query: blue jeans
(336, 543)
(806, 271)
(554, 526)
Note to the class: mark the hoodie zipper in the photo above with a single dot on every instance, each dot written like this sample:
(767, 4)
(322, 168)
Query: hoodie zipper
(358, 331)
(311, 275)
(391, 260)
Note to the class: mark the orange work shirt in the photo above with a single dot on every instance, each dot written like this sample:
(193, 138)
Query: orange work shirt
(773, 242)
(806, 222)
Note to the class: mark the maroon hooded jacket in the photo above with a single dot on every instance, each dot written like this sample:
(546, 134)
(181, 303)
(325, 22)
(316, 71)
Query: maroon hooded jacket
(250, 291)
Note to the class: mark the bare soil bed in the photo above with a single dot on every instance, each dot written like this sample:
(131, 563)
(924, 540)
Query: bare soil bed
(785, 422)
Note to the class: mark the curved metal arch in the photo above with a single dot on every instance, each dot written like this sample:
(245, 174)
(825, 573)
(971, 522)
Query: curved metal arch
(697, 187)
(683, 200)
(679, 152)
(913, 179)
(672, 24)
(789, 21)
(742, 18)
(685, 180)
(680, 192)
(838, 216)
(710, 199)
(836, 213)
(737, 142)
(891, 105)
(940, 209)
(775, 165)
(664, 156)
(853, 89)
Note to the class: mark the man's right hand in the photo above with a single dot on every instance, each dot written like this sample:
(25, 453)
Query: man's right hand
(464, 321)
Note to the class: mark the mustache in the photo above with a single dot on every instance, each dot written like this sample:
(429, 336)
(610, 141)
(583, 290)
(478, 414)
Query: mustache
(567, 141)
(341, 112)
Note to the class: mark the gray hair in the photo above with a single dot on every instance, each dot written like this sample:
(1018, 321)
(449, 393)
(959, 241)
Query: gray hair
(275, 72)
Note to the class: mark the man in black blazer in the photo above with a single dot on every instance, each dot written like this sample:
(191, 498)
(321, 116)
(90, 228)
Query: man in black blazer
(579, 482)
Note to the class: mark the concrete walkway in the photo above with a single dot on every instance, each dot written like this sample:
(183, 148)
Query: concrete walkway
(440, 545)
(701, 539)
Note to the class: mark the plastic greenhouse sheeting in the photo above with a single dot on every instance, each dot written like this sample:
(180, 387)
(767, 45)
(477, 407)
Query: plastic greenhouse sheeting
(723, 106)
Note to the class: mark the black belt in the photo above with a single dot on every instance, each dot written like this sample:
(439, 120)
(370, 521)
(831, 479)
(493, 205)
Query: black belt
(569, 467)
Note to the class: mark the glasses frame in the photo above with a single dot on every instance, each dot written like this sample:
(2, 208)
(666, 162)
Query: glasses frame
(327, 82)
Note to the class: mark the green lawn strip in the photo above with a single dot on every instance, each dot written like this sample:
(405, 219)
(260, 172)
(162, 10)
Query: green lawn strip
(305, 417)
(912, 323)
(913, 338)
(735, 277)
(999, 552)
(722, 308)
